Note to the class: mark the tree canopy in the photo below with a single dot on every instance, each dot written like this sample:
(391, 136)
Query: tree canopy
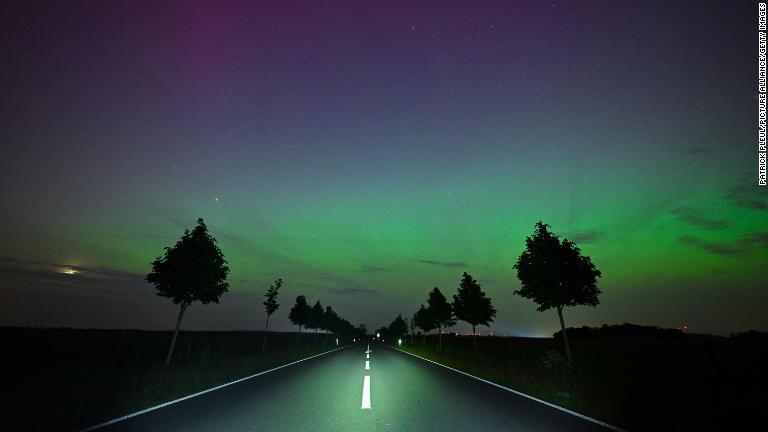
(271, 303)
(398, 327)
(553, 273)
(440, 310)
(300, 312)
(194, 269)
(471, 305)
(423, 320)
(316, 316)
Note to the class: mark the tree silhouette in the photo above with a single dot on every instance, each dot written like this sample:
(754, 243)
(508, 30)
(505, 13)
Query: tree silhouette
(398, 327)
(316, 318)
(194, 269)
(271, 303)
(472, 306)
(271, 306)
(330, 320)
(411, 328)
(300, 314)
(423, 320)
(441, 312)
(554, 274)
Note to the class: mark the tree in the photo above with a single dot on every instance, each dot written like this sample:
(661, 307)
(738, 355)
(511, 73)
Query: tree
(554, 274)
(194, 269)
(271, 303)
(330, 320)
(411, 328)
(472, 306)
(423, 320)
(398, 327)
(441, 312)
(300, 314)
(316, 318)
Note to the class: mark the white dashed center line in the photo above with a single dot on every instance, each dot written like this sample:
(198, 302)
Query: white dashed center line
(367, 365)
(366, 393)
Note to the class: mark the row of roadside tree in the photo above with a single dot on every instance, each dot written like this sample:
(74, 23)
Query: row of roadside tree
(552, 272)
(194, 270)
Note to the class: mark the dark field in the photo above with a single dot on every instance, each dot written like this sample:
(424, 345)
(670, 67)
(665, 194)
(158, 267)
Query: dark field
(63, 379)
(639, 384)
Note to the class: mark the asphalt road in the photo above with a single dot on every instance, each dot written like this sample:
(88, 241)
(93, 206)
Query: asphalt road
(326, 393)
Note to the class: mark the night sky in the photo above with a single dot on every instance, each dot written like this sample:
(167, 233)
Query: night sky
(367, 152)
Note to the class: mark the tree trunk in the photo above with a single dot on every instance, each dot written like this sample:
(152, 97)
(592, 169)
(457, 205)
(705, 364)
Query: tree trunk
(440, 338)
(315, 341)
(565, 336)
(474, 337)
(175, 334)
(298, 336)
(423, 338)
(266, 327)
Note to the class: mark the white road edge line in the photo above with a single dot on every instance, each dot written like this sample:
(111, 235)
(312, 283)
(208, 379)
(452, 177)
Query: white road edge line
(367, 365)
(144, 411)
(366, 393)
(566, 410)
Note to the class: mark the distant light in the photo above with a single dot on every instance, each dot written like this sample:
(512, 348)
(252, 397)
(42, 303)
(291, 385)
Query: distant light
(399, 341)
(337, 341)
(378, 335)
(70, 271)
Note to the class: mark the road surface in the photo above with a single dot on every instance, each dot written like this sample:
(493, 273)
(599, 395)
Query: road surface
(339, 392)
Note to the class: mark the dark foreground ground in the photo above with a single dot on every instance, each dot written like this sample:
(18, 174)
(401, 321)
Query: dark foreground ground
(692, 383)
(64, 379)
(69, 379)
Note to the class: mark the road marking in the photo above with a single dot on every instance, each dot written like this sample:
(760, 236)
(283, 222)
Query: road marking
(367, 356)
(366, 393)
(144, 411)
(601, 423)
(367, 365)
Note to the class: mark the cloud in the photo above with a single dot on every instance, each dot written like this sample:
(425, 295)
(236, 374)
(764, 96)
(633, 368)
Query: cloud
(695, 217)
(758, 239)
(589, 236)
(719, 248)
(350, 291)
(749, 195)
(451, 264)
(66, 275)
